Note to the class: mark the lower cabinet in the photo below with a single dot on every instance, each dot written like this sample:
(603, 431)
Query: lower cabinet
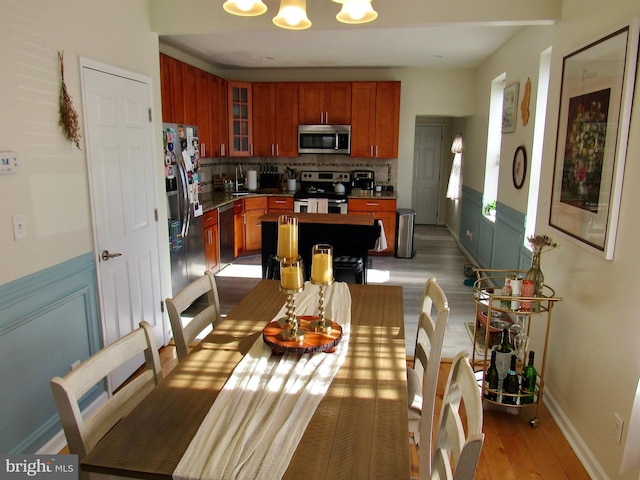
(280, 204)
(254, 208)
(211, 241)
(380, 209)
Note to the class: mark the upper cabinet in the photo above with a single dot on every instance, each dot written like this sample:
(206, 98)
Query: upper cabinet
(375, 119)
(203, 108)
(275, 119)
(326, 103)
(219, 120)
(240, 119)
(172, 90)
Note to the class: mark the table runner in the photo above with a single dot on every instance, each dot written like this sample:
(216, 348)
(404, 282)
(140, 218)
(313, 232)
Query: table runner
(260, 415)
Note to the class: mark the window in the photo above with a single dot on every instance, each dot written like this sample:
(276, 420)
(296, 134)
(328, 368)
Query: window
(494, 141)
(455, 178)
(538, 139)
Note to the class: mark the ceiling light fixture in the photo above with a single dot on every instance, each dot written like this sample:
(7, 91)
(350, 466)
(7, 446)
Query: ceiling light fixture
(292, 15)
(245, 8)
(356, 11)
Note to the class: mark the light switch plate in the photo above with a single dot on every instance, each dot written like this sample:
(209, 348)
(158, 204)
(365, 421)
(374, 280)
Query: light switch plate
(8, 163)
(19, 227)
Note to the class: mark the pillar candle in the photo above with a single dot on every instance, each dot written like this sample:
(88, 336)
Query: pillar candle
(287, 240)
(291, 277)
(322, 268)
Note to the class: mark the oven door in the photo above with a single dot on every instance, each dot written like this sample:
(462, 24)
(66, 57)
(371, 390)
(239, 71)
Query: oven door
(333, 206)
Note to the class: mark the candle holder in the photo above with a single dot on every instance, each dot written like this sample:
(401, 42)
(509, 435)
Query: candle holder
(321, 275)
(291, 283)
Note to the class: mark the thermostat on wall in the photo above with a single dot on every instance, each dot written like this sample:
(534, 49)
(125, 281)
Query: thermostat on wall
(8, 163)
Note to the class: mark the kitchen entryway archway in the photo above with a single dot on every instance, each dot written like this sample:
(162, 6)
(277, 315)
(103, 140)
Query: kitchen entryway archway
(427, 156)
(122, 183)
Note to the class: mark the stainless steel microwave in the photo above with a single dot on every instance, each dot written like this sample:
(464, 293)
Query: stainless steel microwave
(324, 139)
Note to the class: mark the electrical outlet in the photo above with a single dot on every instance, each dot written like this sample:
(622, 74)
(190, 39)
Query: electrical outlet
(618, 425)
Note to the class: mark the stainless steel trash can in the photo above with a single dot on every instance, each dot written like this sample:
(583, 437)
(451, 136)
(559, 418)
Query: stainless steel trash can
(404, 232)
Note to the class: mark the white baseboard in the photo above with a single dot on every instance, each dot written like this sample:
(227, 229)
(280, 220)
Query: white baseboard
(590, 463)
(59, 441)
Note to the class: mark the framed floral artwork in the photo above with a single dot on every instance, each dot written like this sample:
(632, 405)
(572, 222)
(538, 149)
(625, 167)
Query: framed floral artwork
(593, 129)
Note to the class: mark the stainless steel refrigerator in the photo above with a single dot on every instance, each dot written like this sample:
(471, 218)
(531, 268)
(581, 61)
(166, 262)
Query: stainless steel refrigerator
(184, 210)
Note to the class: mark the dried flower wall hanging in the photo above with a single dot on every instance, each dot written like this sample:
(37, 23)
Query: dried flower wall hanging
(68, 115)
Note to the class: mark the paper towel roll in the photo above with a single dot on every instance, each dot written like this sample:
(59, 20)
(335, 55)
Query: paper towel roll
(252, 180)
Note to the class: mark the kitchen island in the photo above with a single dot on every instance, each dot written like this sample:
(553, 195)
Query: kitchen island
(350, 235)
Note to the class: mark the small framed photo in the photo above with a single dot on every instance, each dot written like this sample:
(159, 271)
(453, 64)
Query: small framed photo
(593, 131)
(510, 108)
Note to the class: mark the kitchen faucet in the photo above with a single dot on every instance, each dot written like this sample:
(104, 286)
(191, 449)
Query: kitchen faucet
(239, 183)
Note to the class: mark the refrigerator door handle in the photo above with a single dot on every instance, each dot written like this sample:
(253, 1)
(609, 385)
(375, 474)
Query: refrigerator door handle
(184, 214)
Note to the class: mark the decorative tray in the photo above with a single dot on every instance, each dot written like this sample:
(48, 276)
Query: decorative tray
(311, 343)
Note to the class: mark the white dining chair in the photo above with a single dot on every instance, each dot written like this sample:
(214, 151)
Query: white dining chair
(186, 331)
(422, 378)
(84, 431)
(459, 437)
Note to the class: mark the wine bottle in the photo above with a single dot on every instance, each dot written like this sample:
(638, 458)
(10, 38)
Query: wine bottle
(504, 341)
(529, 375)
(491, 379)
(510, 384)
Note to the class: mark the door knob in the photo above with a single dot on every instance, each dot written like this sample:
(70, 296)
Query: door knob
(106, 255)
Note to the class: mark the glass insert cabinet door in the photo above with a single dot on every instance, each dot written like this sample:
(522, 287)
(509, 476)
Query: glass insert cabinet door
(240, 121)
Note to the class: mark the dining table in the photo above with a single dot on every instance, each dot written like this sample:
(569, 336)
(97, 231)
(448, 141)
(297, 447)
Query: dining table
(358, 430)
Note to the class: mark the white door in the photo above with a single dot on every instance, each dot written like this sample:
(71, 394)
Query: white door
(119, 141)
(427, 154)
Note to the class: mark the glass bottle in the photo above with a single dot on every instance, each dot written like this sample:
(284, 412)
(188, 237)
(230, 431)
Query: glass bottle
(511, 385)
(504, 342)
(491, 380)
(529, 375)
(536, 275)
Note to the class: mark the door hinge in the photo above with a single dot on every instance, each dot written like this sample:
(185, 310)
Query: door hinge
(150, 116)
(161, 306)
(155, 213)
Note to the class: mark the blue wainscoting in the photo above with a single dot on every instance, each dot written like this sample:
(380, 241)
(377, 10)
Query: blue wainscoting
(493, 245)
(48, 321)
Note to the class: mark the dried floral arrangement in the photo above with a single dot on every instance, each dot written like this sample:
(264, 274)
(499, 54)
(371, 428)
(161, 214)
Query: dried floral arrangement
(539, 242)
(68, 115)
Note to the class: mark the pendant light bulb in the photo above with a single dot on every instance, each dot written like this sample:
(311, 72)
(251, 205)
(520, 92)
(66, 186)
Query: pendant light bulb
(292, 15)
(356, 11)
(245, 8)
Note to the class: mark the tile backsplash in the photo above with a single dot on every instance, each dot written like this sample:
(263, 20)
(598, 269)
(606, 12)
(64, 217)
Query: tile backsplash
(385, 170)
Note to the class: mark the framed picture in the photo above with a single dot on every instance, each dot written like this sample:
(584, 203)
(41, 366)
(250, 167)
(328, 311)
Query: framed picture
(519, 167)
(593, 129)
(510, 108)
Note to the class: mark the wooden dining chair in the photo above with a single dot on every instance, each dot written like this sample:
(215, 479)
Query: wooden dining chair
(83, 432)
(422, 378)
(185, 332)
(459, 437)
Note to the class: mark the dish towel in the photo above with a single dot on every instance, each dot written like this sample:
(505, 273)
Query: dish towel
(323, 205)
(260, 415)
(312, 205)
(381, 243)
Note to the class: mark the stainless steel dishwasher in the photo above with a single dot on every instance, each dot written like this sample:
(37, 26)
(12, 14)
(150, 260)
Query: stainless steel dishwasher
(226, 232)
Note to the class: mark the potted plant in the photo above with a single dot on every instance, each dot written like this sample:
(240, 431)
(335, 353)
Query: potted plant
(490, 208)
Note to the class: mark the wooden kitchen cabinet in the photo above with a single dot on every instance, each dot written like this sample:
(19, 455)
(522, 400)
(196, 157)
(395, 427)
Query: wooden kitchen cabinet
(326, 103)
(219, 116)
(238, 227)
(254, 208)
(211, 241)
(203, 94)
(280, 204)
(380, 209)
(275, 119)
(190, 76)
(375, 119)
(172, 91)
(240, 119)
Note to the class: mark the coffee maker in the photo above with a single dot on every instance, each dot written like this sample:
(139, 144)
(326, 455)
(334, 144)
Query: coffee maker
(363, 179)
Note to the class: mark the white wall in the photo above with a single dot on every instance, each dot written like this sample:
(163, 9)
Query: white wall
(51, 189)
(593, 360)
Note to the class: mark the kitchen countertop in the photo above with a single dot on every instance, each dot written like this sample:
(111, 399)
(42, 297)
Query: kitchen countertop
(218, 199)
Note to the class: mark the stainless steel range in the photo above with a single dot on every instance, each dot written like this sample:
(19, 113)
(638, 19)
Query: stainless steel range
(332, 186)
